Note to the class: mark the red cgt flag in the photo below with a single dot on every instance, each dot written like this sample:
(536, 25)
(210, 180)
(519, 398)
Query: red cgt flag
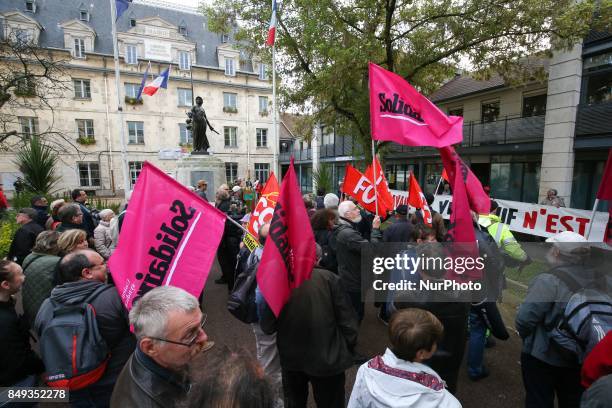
(478, 199)
(265, 206)
(416, 199)
(289, 253)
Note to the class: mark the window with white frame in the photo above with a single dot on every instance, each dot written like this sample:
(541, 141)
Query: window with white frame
(131, 54)
(230, 70)
(229, 101)
(224, 38)
(82, 88)
(89, 174)
(231, 171)
(184, 97)
(262, 137)
(185, 136)
(29, 126)
(79, 48)
(263, 72)
(182, 29)
(262, 171)
(230, 137)
(135, 132)
(85, 128)
(131, 90)
(184, 61)
(84, 14)
(263, 105)
(135, 168)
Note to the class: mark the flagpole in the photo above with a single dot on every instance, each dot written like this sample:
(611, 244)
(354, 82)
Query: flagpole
(592, 218)
(374, 176)
(274, 120)
(438, 186)
(126, 178)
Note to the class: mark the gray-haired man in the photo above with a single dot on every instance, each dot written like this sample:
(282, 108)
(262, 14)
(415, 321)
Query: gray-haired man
(168, 324)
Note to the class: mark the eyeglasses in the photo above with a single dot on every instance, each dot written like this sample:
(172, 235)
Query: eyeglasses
(189, 343)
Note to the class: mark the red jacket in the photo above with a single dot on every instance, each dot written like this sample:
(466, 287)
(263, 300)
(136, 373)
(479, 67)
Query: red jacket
(3, 201)
(599, 361)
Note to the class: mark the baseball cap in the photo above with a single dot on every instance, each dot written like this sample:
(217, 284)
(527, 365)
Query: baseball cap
(569, 242)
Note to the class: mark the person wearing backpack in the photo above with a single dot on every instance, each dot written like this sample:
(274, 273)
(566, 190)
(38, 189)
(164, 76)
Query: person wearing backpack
(87, 360)
(546, 370)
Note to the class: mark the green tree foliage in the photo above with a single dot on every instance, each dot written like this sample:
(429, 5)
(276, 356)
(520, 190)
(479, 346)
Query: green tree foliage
(324, 46)
(37, 162)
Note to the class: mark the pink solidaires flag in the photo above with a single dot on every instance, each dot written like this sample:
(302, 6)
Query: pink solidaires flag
(160, 82)
(272, 29)
(399, 113)
(479, 200)
(289, 252)
(169, 237)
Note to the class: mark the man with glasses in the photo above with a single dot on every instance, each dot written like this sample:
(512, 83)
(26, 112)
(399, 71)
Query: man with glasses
(81, 273)
(169, 326)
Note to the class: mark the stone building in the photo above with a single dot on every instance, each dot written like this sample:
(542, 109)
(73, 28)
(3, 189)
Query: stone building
(236, 90)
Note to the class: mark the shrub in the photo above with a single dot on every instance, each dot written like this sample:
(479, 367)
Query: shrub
(8, 227)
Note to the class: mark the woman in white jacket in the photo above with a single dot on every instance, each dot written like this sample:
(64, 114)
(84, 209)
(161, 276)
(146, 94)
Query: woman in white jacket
(102, 234)
(399, 378)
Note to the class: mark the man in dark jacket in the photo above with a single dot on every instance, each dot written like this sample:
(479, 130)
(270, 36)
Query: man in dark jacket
(546, 371)
(25, 237)
(19, 363)
(81, 273)
(71, 217)
(40, 204)
(169, 325)
(316, 336)
(347, 243)
(401, 229)
(80, 197)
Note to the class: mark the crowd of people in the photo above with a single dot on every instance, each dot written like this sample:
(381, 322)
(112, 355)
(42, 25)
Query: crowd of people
(154, 355)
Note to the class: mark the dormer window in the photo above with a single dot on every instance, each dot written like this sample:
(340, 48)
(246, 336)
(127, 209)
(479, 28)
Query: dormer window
(30, 5)
(230, 70)
(224, 38)
(263, 72)
(79, 48)
(182, 30)
(132, 22)
(84, 15)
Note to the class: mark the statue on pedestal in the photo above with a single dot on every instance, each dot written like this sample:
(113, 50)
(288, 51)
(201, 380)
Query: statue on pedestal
(198, 124)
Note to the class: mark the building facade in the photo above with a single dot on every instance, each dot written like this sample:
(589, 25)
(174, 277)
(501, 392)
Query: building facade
(520, 140)
(236, 90)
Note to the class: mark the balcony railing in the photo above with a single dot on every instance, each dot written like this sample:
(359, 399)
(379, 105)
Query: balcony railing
(505, 131)
(593, 120)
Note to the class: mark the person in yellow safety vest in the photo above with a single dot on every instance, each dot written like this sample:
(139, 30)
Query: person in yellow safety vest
(502, 236)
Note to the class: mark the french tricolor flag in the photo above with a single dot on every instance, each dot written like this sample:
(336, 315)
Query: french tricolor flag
(160, 82)
(272, 29)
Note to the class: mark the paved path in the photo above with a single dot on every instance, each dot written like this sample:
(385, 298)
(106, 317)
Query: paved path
(503, 389)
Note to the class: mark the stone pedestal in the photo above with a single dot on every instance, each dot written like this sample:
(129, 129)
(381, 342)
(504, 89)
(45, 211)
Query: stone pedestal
(201, 167)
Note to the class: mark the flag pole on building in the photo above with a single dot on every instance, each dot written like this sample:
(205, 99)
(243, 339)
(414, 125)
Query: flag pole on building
(124, 163)
(271, 41)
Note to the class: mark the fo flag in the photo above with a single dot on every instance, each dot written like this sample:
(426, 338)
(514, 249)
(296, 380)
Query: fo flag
(383, 195)
(265, 206)
(289, 253)
(361, 188)
(416, 199)
(399, 113)
(478, 199)
(169, 237)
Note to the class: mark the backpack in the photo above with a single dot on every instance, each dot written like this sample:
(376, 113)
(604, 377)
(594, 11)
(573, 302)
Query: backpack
(586, 320)
(73, 351)
(241, 301)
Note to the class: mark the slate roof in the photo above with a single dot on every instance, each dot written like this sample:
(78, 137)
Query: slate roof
(464, 85)
(51, 13)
